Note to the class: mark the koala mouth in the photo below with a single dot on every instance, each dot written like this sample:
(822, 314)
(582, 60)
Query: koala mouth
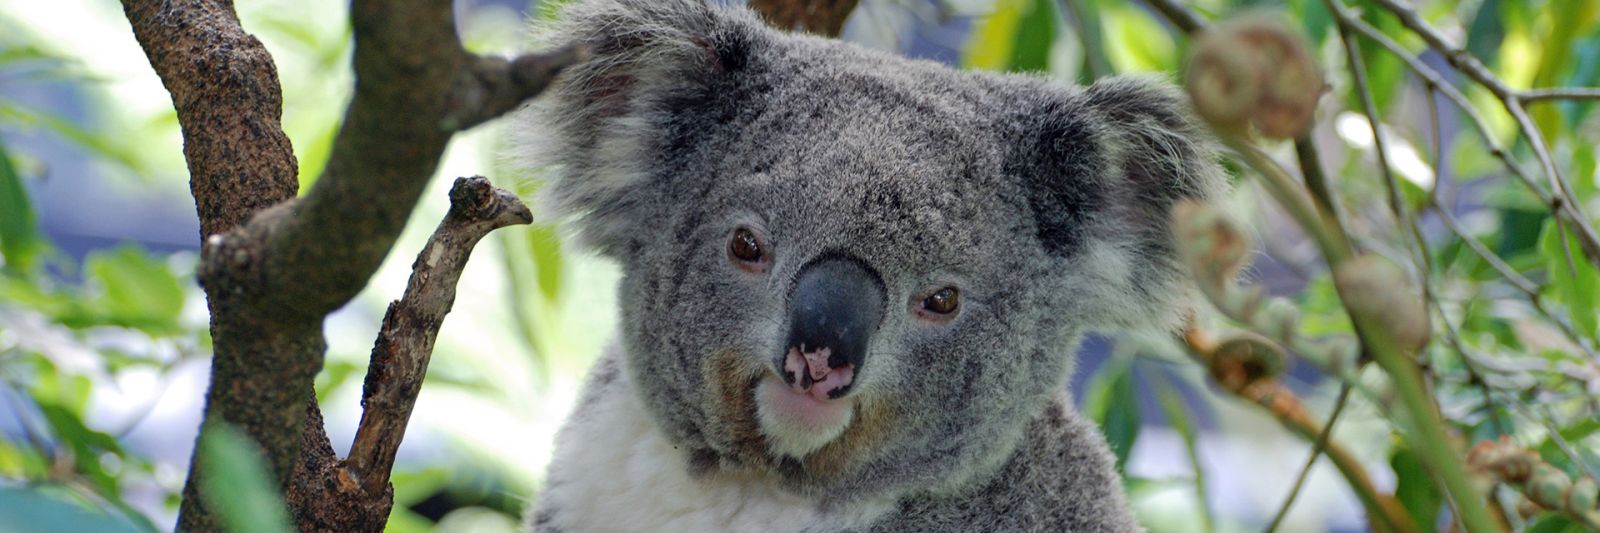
(803, 411)
(798, 422)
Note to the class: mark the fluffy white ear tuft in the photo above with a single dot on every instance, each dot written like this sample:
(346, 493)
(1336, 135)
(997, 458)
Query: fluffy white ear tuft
(600, 123)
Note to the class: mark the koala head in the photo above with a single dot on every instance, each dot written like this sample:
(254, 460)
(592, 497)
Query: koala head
(856, 273)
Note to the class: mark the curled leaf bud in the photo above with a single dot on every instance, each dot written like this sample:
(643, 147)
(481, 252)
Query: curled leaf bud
(1376, 288)
(1244, 358)
(1255, 69)
(1224, 85)
(1209, 241)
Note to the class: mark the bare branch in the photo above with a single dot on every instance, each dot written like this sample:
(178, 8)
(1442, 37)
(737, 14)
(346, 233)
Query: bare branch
(355, 494)
(1285, 406)
(405, 344)
(406, 58)
(1563, 204)
(498, 85)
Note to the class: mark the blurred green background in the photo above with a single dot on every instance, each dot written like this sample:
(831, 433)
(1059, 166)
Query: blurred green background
(103, 344)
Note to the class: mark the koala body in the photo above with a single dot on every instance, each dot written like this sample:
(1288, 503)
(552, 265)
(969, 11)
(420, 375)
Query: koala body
(853, 284)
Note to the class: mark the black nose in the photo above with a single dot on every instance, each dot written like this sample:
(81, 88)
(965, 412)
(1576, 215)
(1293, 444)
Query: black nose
(834, 308)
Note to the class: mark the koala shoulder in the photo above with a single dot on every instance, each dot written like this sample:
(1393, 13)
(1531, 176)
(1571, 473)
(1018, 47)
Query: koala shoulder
(1062, 478)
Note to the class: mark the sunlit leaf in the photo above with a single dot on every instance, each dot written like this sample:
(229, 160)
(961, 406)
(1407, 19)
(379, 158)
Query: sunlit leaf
(991, 45)
(1573, 280)
(1179, 415)
(236, 486)
(1415, 489)
(1136, 42)
(19, 226)
(1035, 34)
(1555, 523)
(85, 444)
(139, 290)
(545, 242)
(333, 377)
(1555, 60)
(1112, 400)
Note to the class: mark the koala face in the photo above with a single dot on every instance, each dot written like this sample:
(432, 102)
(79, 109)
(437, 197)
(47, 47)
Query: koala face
(856, 273)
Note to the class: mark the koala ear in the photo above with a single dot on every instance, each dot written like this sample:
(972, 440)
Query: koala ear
(1121, 153)
(655, 68)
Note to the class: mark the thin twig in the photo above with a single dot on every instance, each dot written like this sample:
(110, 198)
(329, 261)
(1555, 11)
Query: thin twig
(1397, 206)
(1464, 62)
(1559, 93)
(1285, 407)
(1316, 451)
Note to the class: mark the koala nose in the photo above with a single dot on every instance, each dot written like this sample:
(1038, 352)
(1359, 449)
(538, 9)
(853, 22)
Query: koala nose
(834, 308)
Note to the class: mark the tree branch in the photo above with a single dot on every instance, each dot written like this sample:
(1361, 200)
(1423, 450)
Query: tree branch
(355, 494)
(225, 89)
(272, 274)
(1384, 512)
(1564, 205)
(822, 17)
(400, 356)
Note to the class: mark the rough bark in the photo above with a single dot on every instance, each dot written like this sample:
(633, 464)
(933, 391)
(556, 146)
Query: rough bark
(822, 17)
(354, 494)
(273, 266)
(225, 89)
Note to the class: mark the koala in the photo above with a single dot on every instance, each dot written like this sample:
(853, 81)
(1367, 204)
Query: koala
(853, 284)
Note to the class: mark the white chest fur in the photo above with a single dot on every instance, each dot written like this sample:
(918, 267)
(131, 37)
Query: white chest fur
(613, 470)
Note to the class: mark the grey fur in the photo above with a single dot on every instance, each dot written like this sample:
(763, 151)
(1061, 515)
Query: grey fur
(1046, 204)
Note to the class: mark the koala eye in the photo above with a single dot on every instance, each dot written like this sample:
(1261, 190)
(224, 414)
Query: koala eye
(940, 305)
(747, 251)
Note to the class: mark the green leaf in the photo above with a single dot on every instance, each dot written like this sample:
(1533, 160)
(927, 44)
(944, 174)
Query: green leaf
(1415, 489)
(412, 486)
(992, 45)
(20, 462)
(139, 291)
(1178, 416)
(1486, 32)
(1573, 280)
(334, 375)
(1554, 523)
(1113, 402)
(1136, 42)
(85, 444)
(545, 243)
(46, 509)
(236, 487)
(1035, 35)
(19, 225)
(1555, 58)
(1385, 71)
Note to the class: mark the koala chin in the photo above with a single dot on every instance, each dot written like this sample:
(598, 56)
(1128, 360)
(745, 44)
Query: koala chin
(853, 284)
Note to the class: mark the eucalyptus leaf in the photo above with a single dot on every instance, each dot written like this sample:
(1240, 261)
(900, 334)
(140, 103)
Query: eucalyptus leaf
(236, 487)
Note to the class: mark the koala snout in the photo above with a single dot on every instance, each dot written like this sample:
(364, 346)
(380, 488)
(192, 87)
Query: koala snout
(835, 306)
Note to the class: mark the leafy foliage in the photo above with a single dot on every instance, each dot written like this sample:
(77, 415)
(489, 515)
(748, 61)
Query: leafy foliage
(1512, 299)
